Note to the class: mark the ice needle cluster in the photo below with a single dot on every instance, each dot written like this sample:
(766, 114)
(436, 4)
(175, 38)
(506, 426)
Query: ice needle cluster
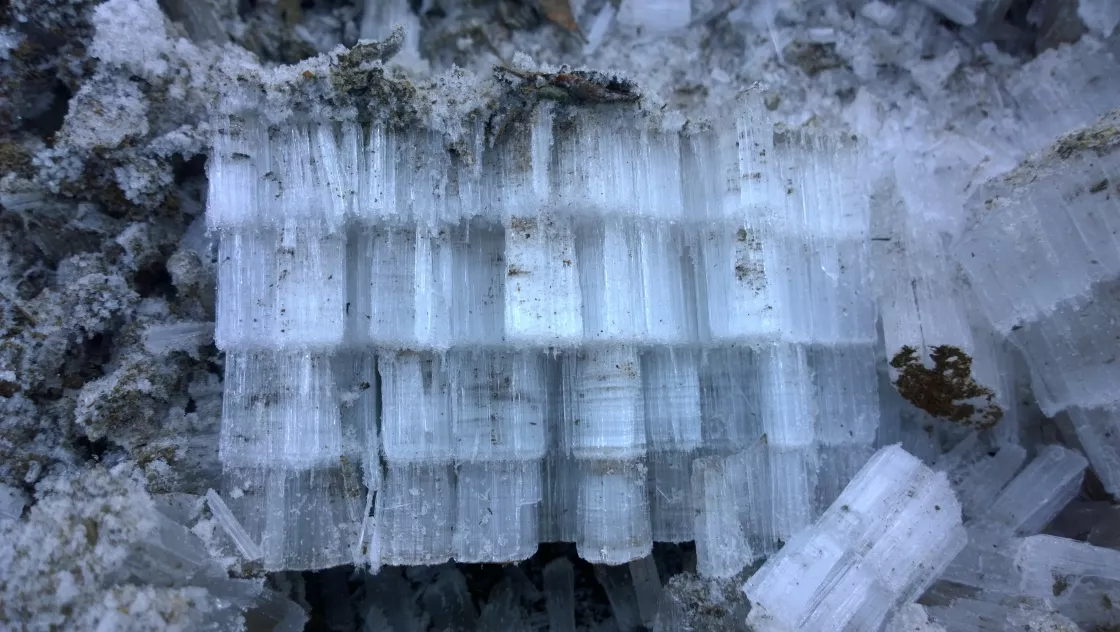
(553, 339)
(829, 290)
(586, 327)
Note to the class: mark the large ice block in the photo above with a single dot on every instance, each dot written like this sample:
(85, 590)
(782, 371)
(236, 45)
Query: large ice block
(1063, 89)
(1021, 256)
(1065, 350)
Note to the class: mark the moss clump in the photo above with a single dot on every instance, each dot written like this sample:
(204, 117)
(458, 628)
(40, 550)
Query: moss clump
(14, 157)
(1100, 139)
(361, 80)
(1061, 583)
(947, 390)
(814, 58)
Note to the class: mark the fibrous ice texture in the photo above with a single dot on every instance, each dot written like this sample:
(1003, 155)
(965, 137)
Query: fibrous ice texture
(596, 331)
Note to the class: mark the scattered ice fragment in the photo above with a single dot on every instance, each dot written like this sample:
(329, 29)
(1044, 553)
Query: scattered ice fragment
(881, 13)
(617, 583)
(1039, 492)
(600, 24)
(12, 503)
(655, 15)
(962, 12)
(245, 545)
(647, 587)
(559, 579)
(912, 618)
(1100, 16)
(187, 336)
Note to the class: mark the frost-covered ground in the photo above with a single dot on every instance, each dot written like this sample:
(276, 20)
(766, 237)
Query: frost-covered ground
(110, 385)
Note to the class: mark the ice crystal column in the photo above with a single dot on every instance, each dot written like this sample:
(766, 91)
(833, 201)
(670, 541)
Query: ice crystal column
(880, 545)
(783, 264)
(594, 330)
(1042, 255)
(290, 463)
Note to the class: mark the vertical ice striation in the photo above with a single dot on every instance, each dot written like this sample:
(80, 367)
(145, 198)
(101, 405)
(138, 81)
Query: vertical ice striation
(722, 549)
(612, 512)
(281, 288)
(543, 305)
(590, 329)
(414, 516)
(497, 511)
(415, 408)
(604, 407)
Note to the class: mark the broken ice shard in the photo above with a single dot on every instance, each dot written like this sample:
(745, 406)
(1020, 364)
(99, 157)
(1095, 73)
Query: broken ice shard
(1032, 499)
(881, 544)
(245, 545)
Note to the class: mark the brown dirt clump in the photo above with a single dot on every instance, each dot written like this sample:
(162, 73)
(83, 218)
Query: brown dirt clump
(947, 390)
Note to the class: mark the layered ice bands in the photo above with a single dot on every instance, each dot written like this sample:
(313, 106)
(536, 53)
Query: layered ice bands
(594, 331)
